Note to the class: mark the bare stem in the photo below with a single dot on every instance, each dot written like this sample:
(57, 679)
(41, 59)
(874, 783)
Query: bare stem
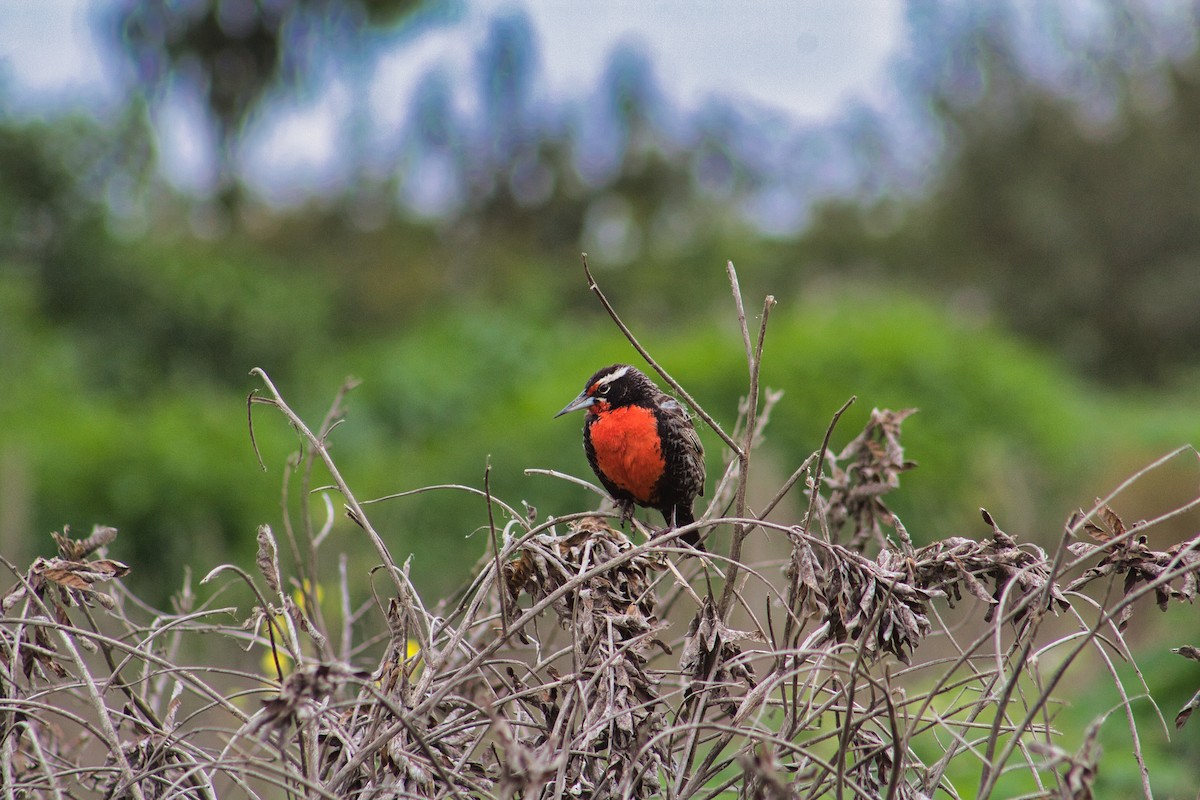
(743, 454)
(645, 354)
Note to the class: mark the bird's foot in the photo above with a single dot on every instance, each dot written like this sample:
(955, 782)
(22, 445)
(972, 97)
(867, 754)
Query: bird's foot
(691, 539)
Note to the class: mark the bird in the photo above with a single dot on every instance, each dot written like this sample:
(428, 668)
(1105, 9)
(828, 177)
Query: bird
(642, 445)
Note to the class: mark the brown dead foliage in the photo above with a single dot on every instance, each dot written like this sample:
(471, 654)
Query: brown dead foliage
(1124, 551)
(860, 475)
(607, 710)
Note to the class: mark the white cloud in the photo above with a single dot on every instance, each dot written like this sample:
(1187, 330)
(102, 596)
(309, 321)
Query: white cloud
(297, 147)
(801, 57)
(50, 55)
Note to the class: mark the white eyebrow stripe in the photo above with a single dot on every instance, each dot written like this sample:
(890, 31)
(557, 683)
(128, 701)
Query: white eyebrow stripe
(607, 379)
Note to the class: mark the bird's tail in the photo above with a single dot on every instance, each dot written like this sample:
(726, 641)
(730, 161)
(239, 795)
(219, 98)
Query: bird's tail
(682, 515)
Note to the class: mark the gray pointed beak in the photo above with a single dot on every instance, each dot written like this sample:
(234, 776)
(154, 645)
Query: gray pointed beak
(583, 401)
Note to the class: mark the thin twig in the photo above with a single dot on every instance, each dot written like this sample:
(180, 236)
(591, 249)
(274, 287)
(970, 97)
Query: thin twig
(741, 531)
(495, 542)
(353, 507)
(674, 384)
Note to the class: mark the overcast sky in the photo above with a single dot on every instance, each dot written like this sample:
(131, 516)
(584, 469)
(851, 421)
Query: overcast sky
(803, 57)
(800, 56)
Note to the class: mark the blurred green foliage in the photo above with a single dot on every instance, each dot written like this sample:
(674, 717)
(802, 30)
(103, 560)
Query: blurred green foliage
(139, 419)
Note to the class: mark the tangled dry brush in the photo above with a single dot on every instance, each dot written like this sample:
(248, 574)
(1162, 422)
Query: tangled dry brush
(840, 661)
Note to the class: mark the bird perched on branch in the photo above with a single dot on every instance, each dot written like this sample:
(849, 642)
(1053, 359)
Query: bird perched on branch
(641, 445)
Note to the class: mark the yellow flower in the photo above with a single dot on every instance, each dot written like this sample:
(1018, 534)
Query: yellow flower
(303, 593)
(268, 663)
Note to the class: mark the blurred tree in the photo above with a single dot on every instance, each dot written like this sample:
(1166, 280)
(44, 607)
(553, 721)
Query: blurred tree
(634, 102)
(506, 66)
(38, 196)
(505, 170)
(1078, 221)
(231, 53)
(430, 170)
(52, 217)
(140, 311)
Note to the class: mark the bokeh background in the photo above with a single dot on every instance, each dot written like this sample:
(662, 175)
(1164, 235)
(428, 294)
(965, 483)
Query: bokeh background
(988, 211)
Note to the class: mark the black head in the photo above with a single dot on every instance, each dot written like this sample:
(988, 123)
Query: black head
(613, 387)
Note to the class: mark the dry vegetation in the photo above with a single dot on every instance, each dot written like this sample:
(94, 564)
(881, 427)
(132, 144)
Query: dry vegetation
(580, 663)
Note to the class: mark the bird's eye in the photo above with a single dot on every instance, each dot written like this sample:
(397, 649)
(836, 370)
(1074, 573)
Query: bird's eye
(603, 390)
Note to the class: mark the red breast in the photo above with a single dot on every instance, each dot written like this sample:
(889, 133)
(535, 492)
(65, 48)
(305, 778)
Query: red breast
(628, 450)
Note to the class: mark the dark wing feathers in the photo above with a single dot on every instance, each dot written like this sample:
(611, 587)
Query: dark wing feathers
(683, 478)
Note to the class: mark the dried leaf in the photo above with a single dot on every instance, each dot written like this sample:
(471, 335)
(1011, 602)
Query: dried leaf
(858, 477)
(974, 586)
(267, 558)
(1188, 651)
(958, 561)
(860, 593)
(1134, 559)
(66, 577)
(1114, 523)
(711, 660)
(1186, 712)
(79, 549)
(303, 691)
(78, 575)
